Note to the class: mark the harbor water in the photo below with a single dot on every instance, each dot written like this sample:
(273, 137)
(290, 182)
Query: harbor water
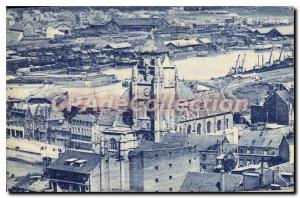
(196, 68)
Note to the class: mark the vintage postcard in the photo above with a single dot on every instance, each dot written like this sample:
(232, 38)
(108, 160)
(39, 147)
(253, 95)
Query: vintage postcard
(150, 99)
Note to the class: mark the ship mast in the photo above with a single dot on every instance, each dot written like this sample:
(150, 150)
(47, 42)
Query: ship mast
(236, 64)
(242, 65)
(280, 52)
(271, 54)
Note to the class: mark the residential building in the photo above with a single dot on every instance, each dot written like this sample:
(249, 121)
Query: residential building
(82, 129)
(278, 106)
(75, 171)
(154, 167)
(267, 147)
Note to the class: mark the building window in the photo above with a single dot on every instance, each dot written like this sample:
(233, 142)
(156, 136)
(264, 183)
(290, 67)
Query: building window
(170, 165)
(156, 167)
(219, 125)
(204, 156)
(208, 127)
(170, 177)
(170, 153)
(203, 168)
(189, 129)
(113, 144)
(248, 162)
(241, 163)
(170, 189)
(156, 156)
(199, 129)
(190, 161)
(227, 123)
(156, 180)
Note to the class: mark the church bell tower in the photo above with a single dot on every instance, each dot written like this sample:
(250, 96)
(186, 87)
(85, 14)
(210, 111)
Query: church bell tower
(153, 90)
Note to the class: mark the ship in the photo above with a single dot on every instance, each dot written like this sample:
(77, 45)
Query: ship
(73, 78)
(203, 54)
(261, 48)
(281, 62)
(238, 68)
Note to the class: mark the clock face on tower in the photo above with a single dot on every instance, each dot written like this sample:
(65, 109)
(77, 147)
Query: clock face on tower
(146, 92)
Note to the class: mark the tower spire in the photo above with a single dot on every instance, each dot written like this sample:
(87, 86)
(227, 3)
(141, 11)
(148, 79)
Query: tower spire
(153, 45)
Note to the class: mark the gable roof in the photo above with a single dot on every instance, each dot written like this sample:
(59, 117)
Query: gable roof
(184, 92)
(206, 109)
(48, 94)
(182, 42)
(107, 118)
(92, 160)
(287, 167)
(63, 24)
(85, 117)
(283, 30)
(138, 21)
(208, 182)
(205, 40)
(13, 37)
(203, 142)
(119, 45)
(153, 45)
(207, 142)
(284, 95)
(269, 139)
(154, 146)
(32, 183)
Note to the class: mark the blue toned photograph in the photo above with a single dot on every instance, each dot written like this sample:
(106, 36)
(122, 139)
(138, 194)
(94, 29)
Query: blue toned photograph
(160, 99)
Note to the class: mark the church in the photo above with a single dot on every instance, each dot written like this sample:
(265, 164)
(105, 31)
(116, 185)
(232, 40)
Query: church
(157, 98)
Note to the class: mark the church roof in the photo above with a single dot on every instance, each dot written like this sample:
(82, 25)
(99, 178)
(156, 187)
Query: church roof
(184, 92)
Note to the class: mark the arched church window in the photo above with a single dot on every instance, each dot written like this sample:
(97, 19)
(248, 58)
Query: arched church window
(208, 127)
(219, 125)
(189, 129)
(113, 144)
(199, 128)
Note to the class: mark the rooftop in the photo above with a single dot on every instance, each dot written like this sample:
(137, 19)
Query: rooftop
(210, 182)
(107, 118)
(284, 30)
(269, 139)
(205, 40)
(203, 142)
(119, 45)
(154, 146)
(138, 21)
(182, 42)
(184, 92)
(153, 45)
(85, 117)
(91, 160)
(49, 94)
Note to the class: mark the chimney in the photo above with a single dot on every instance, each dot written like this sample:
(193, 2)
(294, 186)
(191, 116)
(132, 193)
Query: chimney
(222, 181)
